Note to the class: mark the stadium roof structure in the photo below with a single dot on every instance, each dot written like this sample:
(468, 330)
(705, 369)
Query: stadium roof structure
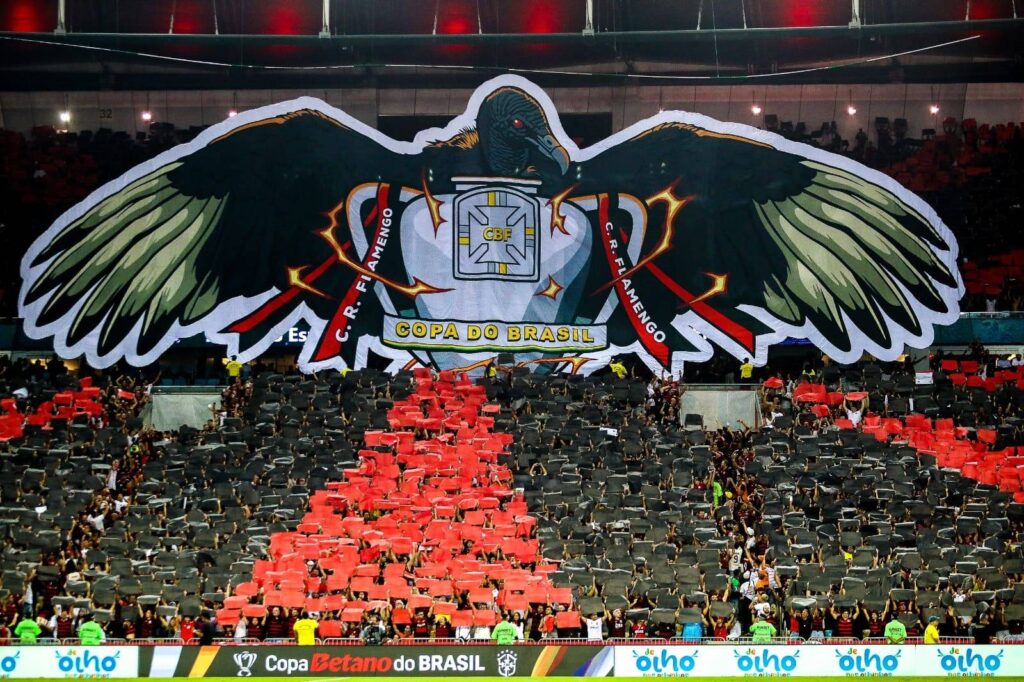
(122, 44)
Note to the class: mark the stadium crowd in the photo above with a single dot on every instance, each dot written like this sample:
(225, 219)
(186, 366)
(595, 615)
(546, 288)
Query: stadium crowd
(865, 505)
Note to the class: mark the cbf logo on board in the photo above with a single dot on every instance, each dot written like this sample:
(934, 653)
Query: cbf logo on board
(763, 662)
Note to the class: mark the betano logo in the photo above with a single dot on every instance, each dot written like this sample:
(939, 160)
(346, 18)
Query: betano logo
(867, 663)
(968, 662)
(762, 662)
(654, 664)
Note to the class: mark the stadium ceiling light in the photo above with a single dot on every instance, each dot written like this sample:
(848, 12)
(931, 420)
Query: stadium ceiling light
(755, 109)
(851, 110)
(65, 116)
(934, 108)
(232, 113)
(147, 116)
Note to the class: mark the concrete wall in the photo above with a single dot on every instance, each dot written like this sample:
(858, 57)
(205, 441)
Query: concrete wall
(987, 102)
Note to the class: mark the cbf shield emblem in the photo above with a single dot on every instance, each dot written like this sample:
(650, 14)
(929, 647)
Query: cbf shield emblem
(497, 233)
(507, 662)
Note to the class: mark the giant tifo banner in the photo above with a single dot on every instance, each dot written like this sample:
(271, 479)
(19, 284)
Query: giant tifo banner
(495, 234)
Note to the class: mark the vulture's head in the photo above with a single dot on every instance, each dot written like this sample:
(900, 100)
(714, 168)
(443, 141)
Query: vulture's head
(516, 137)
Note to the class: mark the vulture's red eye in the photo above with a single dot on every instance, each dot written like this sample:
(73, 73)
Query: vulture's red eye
(517, 123)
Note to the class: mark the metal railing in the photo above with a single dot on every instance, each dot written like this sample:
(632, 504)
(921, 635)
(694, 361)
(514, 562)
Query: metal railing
(561, 641)
(918, 640)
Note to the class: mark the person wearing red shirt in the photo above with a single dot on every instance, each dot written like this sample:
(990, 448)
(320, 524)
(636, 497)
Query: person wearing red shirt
(547, 624)
(617, 625)
(255, 629)
(275, 624)
(420, 625)
(65, 625)
(145, 628)
(293, 616)
(188, 629)
(876, 626)
(639, 630)
(11, 610)
(442, 627)
(666, 630)
(721, 628)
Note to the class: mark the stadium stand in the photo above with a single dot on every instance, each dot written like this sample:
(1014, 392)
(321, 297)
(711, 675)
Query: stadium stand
(578, 507)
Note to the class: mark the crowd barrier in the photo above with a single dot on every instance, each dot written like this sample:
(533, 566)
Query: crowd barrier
(453, 641)
(651, 658)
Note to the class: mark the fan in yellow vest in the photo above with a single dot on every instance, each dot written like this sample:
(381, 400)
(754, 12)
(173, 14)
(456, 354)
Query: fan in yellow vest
(305, 630)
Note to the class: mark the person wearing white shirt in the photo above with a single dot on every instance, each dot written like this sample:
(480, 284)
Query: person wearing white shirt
(736, 560)
(97, 521)
(855, 411)
(242, 628)
(595, 627)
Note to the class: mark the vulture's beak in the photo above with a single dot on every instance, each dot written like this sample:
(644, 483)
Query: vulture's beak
(550, 148)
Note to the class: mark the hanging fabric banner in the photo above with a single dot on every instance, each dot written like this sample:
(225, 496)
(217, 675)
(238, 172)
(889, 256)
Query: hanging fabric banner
(496, 234)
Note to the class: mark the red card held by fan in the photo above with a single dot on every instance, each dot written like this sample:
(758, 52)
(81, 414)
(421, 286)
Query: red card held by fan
(567, 619)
